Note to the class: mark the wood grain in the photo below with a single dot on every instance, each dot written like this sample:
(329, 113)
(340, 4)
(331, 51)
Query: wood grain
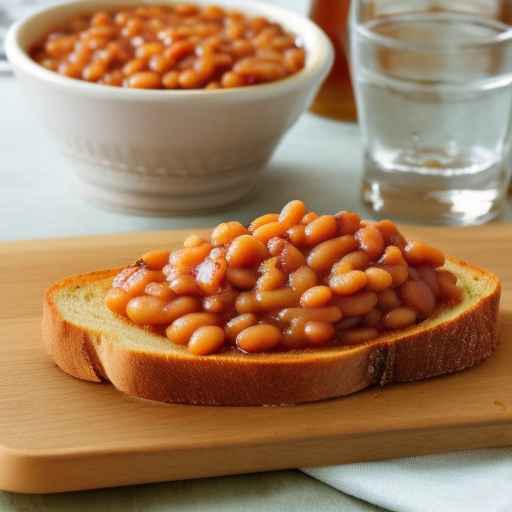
(58, 433)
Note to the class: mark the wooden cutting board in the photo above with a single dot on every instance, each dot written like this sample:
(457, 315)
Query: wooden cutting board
(61, 434)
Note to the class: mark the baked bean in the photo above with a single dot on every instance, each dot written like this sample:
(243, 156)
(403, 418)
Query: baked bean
(132, 27)
(262, 220)
(246, 303)
(179, 50)
(265, 38)
(205, 67)
(399, 273)
(134, 66)
(319, 333)
(371, 241)
(100, 19)
(144, 80)
(292, 213)
(121, 278)
(348, 222)
(257, 24)
(388, 299)
(360, 303)
(297, 235)
(243, 48)
(373, 318)
(428, 274)
(160, 64)
(212, 12)
(70, 69)
(138, 280)
(283, 42)
(330, 314)
(419, 253)
(446, 275)
(94, 71)
(213, 85)
(242, 278)
(245, 251)
(267, 231)
(316, 297)
(378, 279)
(114, 78)
(348, 283)
(275, 247)
(447, 286)
(182, 306)
(276, 299)
(355, 260)
(231, 79)
(206, 340)
(121, 18)
(294, 59)
(290, 258)
(210, 274)
(147, 310)
(218, 252)
(358, 335)
(260, 70)
(388, 230)
(189, 79)
(294, 336)
(184, 285)
(325, 254)
(258, 338)
(392, 256)
(193, 241)
(188, 257)
(349, 322)
(238, 323)
(156, 260)
(60, 46)
(417, 295)
(271, 280)
(160, 290)
(116, 300)
(399, 318)
(226, 232)
(309, 217)
(321, 229)
(182, 328)
(268, 264)
(413, 274)
(221, 302)
(302, 279)
(103, 32)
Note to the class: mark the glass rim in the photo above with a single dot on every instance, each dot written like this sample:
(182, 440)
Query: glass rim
(391, 42)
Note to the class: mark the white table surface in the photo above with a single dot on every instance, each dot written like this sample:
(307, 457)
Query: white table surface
(318, 161)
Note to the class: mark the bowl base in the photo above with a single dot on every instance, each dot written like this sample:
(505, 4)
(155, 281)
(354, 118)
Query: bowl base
(152, 205)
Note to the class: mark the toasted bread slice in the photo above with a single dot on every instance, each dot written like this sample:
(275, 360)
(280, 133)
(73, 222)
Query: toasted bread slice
(88, 341)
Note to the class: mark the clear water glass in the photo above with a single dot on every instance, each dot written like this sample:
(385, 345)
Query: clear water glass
(434, 95)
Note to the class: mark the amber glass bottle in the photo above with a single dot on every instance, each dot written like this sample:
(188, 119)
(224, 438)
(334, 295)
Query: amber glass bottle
(336, 97)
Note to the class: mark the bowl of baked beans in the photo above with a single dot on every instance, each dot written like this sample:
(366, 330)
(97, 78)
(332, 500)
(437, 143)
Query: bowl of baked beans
(167, 106)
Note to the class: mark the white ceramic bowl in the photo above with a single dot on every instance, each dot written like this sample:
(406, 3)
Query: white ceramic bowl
(158, 151)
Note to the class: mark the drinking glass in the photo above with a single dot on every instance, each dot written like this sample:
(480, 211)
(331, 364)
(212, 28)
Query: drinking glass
(434, 97)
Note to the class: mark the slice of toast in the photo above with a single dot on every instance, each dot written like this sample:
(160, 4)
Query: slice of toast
(89, 342)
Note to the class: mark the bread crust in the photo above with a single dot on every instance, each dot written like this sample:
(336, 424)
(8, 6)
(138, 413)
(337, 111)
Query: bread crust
(278, 378)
